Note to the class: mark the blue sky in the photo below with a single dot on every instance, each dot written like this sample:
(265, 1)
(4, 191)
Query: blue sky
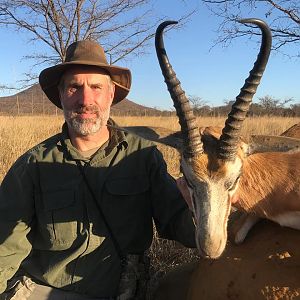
(213, 74)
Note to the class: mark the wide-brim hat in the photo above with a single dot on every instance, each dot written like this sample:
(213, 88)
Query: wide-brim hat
(88, 53)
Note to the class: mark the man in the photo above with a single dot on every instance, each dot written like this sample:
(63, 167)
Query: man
(76, 210)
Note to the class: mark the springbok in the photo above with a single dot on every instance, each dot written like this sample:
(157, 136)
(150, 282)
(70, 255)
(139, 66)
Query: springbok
(293, 131)
(221, 170)
(217, 168)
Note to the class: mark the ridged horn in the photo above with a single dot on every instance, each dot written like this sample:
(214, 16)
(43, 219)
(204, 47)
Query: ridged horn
(231, 131)
(192, 144)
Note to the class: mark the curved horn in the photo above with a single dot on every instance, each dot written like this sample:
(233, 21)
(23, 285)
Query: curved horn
(231, 131)
(191, 137)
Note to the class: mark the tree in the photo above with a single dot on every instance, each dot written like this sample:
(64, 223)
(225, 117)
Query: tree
(124, 27)
(283, 17)
(296, 109)
(197, 102)
(200, 106)
(272, 106)
(269, 103)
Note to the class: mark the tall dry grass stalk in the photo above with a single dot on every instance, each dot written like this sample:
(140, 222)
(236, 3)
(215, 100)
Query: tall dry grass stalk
(17, 134)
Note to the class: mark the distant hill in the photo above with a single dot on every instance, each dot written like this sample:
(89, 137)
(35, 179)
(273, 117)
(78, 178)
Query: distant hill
(34, 101)
(127, 107)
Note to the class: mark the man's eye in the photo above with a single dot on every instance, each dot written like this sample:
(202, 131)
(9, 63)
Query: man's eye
(97, 87)
(74, 87)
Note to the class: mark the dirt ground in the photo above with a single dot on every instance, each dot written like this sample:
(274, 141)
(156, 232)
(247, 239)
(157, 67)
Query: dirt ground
(265, 266)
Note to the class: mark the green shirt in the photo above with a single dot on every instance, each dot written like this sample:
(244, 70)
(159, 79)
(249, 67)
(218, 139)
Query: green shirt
(51, 226)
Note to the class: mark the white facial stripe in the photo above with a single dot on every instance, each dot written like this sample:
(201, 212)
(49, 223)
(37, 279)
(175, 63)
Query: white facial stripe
(211, 205)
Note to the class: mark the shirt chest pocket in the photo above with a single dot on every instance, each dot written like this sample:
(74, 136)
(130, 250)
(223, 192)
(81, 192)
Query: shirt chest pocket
(59, 216)
(130, 186)
(127, 197)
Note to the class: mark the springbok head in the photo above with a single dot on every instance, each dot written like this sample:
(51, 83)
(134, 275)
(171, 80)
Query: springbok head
(212, 163)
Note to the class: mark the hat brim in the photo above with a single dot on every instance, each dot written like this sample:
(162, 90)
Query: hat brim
(50, 77)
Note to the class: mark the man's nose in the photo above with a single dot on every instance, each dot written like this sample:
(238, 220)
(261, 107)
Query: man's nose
(85, 96)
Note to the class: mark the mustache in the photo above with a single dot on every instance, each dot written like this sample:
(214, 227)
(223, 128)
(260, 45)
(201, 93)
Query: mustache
(85, 109)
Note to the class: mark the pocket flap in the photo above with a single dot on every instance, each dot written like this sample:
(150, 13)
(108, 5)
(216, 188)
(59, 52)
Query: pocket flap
(128, 186)
(58, 199)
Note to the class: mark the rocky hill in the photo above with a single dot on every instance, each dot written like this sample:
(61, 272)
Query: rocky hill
(34, 101)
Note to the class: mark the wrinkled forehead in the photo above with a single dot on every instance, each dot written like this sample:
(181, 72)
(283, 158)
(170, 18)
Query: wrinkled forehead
(75, 71)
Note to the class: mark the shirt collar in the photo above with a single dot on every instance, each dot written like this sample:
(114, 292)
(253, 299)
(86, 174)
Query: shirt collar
(117, 139)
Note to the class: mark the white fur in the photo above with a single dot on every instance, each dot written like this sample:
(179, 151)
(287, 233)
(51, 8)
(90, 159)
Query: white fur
(248, 223)
(289, 219)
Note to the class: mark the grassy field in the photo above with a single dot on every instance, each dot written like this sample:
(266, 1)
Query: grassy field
(17, 134)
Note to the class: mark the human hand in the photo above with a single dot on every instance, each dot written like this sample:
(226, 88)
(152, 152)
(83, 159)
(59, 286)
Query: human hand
(182, 186)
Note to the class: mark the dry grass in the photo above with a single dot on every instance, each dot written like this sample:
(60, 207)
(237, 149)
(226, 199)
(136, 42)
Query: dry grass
(17, 134)
(261, 125)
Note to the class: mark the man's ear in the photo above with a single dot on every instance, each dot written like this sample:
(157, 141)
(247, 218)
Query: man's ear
(112, 90)
(60, 94)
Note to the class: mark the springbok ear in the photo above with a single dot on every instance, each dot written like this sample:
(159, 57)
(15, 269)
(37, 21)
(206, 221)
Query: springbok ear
(246, 148)
(269, 143)
(156, 134)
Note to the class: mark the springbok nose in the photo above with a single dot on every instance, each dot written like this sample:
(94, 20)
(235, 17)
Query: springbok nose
(212, 251)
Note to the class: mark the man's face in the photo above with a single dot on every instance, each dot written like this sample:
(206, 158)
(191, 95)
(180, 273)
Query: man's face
(86, 95)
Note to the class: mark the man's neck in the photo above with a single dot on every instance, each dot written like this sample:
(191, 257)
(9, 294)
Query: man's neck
(85, 143)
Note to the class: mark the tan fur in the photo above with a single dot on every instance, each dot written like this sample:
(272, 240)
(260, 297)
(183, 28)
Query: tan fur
(206, 167)
(293, 131)
(264, 183)
(270, 184)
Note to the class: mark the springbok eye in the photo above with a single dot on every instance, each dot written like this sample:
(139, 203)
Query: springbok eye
(231, 187)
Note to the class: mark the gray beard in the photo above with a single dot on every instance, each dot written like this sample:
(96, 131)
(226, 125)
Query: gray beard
(87, 127)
